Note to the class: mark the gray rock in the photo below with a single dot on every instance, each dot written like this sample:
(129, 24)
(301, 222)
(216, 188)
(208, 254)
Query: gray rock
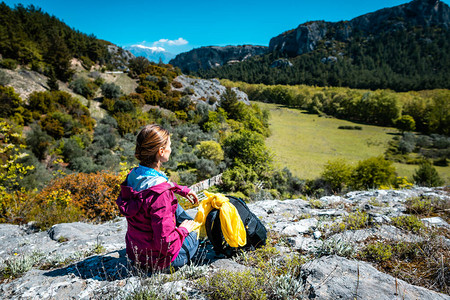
(300, 227)
(304, 243)
(335, 277)
(229, 265)
(384, 232)
(205, 89)
(281, 63)
(332, 199)
(435, 221)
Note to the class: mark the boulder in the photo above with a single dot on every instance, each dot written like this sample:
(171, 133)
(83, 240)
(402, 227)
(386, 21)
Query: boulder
(335, 277)
(300, 227)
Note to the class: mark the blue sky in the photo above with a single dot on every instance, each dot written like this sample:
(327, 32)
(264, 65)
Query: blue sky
(178, 26)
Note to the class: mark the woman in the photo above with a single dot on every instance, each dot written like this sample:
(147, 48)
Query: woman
(160, 233)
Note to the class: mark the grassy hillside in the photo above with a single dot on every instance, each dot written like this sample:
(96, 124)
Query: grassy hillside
(305, 142)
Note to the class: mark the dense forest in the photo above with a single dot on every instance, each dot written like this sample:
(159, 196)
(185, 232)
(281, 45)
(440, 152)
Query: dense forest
(402, 60)
(29, 36)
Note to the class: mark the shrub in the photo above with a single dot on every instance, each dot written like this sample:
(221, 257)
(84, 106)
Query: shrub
(377, 252)
(353, 221)
(407, 143)
(13, 197)
(177, 84)
(128, 123)
(110, 90)
(239, 178)
(426, 175)
(84, 164)
(419, 205)
(56, 207)
(350, 127)
(356, 220)
(4, 78)
(257, 284)
(212, 100)
(95, 194)
(337, 173)
(229, 285)
(372, 173)
(38, 141)
(206, 168)
(334, 246)
(10, 102)
(249, 148)
(123, 106)
(410, 223)
(53, 127)
(405, 123)
(83, 86)
(9, 63)
(210, 150)
(15, 207)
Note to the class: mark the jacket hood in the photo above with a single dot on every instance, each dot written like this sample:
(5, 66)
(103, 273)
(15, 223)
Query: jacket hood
(130, 201)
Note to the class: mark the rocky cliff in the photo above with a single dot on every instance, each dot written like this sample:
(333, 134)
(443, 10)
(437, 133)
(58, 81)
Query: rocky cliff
(210, 57)
(88, 261)
(306, 37)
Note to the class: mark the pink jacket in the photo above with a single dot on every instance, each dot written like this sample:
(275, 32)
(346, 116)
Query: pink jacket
(152, 237)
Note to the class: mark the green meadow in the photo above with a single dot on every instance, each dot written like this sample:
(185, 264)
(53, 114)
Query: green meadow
(305, 142)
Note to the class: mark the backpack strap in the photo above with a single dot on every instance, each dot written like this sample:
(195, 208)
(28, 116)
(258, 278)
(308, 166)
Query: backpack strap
(213, 230)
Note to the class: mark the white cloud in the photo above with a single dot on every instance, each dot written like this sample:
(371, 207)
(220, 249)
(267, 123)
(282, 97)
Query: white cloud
(178, 42)
(154, 49)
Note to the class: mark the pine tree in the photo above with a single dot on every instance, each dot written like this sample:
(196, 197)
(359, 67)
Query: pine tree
(427, 175)
(52, 81)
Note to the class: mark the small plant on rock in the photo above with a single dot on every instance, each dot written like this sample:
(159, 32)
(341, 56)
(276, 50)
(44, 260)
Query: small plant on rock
(377, 252)
(316, 203)
(353, 221)
(410, 223)
(334, 246)
(229, 285)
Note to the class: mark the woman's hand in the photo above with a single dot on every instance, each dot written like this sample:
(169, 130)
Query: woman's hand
(188, 224)
(192, 197)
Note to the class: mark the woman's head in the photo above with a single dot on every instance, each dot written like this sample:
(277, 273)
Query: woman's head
(152, 145)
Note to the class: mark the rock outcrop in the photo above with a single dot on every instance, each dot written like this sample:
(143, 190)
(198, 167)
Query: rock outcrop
(335, 277)
(306, 37)
(213, 56)
(88, 261)
(206, 90)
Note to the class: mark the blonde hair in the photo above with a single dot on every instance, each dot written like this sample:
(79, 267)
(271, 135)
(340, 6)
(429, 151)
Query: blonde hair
(149, 140)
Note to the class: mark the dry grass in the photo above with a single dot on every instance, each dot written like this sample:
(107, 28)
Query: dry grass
(423, 263)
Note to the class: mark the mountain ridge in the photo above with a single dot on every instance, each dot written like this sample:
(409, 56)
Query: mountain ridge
(214, 56)
(305, 37)
(154, 54)
(402, 48)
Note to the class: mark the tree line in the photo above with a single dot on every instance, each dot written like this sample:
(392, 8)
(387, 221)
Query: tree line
(414, 58)
(427, 111)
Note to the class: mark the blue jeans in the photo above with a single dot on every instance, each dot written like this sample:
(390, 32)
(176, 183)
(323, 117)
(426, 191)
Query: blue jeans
(190, 244)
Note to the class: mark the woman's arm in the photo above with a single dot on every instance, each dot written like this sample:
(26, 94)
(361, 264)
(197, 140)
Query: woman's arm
(185, 192)
(168, 238)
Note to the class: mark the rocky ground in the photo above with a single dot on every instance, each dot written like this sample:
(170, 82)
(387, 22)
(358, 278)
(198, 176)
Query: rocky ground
(88, 261)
